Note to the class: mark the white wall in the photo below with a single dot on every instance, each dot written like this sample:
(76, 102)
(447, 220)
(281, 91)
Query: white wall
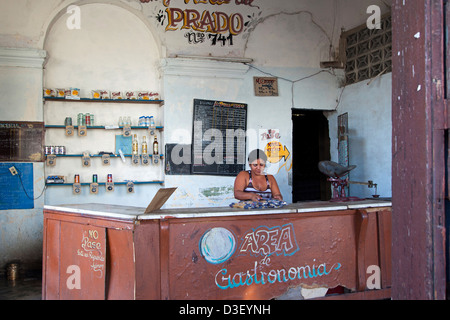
(370, 134)
(114, 51)
(21, 96)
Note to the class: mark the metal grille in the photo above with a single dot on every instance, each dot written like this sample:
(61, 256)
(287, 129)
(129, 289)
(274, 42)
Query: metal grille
(368, 52)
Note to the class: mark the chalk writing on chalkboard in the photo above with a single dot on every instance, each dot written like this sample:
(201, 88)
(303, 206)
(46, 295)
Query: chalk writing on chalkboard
(21, 141)
(218, 142)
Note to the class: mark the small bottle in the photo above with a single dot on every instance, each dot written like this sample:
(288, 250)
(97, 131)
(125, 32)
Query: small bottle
(77, 178)
(135, 145)
(144, 145)
(155, 147)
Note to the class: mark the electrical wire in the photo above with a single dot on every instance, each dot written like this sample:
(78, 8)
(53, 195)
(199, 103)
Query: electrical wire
(293, 82)
(25, 191)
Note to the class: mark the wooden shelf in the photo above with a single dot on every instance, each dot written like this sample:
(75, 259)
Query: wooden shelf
(103, 183)
(160, 102)
(52, 126)
(96, 155)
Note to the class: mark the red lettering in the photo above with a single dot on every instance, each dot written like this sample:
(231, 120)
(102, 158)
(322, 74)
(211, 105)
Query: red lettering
(236, 24)
(217, 22)
(171, 12)
(191, 17)
(206, 22)
(221, 19)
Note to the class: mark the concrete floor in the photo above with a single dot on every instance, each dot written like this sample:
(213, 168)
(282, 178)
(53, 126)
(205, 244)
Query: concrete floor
(25, 288)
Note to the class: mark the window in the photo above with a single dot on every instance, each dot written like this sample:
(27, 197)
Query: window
(367, 52)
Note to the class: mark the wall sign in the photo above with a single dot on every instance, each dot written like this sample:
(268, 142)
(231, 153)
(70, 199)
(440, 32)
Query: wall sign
(216, 22)
(266, 86)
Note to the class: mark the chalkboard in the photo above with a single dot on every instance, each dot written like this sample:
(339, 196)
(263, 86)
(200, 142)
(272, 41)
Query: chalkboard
(12, 193)
(21, 141)
(175, 164)
(218, 140)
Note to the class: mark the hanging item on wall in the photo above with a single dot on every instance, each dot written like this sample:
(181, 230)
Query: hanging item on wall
(266, 86)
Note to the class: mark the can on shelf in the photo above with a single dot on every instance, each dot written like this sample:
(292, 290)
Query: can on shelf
(94, 178)
(110, 178)
(68, 121)
(77, 178)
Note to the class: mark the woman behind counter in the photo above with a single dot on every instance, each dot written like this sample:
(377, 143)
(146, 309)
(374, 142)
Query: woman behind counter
(254, 185)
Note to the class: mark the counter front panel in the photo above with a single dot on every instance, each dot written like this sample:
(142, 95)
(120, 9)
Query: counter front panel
(218, 253)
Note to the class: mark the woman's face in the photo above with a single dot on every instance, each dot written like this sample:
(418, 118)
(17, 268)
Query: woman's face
(258, 166)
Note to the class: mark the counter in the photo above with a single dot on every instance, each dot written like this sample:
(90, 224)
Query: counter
(98, 251)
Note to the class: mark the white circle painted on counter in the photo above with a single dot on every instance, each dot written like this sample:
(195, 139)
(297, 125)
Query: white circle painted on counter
(217, 245)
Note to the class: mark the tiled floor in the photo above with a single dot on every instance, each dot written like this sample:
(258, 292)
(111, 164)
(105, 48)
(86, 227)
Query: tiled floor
(26, 288)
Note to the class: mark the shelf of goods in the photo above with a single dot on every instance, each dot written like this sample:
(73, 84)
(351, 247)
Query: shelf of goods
(120, 183)
(159, 102)
(106, 128)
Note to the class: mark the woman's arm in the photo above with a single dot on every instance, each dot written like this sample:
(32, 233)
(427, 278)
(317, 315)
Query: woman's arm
(276, 194)
(240, 183)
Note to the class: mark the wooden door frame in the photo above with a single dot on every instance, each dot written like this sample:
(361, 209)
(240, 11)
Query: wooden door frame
(419, 122)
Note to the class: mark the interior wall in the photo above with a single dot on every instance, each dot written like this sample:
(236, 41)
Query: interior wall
(21, 96)
(370, 132)
(113, 51)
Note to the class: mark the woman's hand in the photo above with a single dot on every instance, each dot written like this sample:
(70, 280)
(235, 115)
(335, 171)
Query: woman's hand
(277, 197)
(255, 197)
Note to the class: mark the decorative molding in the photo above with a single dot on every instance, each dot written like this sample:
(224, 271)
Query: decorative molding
(205, 68)
(22, 57)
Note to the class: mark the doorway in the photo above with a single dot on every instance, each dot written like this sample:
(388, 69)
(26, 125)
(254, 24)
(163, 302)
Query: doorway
(310, 144)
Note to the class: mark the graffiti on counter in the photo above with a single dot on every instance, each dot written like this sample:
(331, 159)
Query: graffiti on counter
(265, 241)
(217, 245)
(252, 276)
(91, 249)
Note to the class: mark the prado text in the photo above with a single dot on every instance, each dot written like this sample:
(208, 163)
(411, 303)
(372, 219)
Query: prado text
(226, 309)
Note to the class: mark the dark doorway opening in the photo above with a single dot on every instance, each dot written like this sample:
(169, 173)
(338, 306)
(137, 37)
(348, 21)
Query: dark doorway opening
(311, 144)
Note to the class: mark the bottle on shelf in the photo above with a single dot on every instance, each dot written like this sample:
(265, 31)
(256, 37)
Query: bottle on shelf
(144, 145)
(135, 145)
(152, 122)
(155, 147)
